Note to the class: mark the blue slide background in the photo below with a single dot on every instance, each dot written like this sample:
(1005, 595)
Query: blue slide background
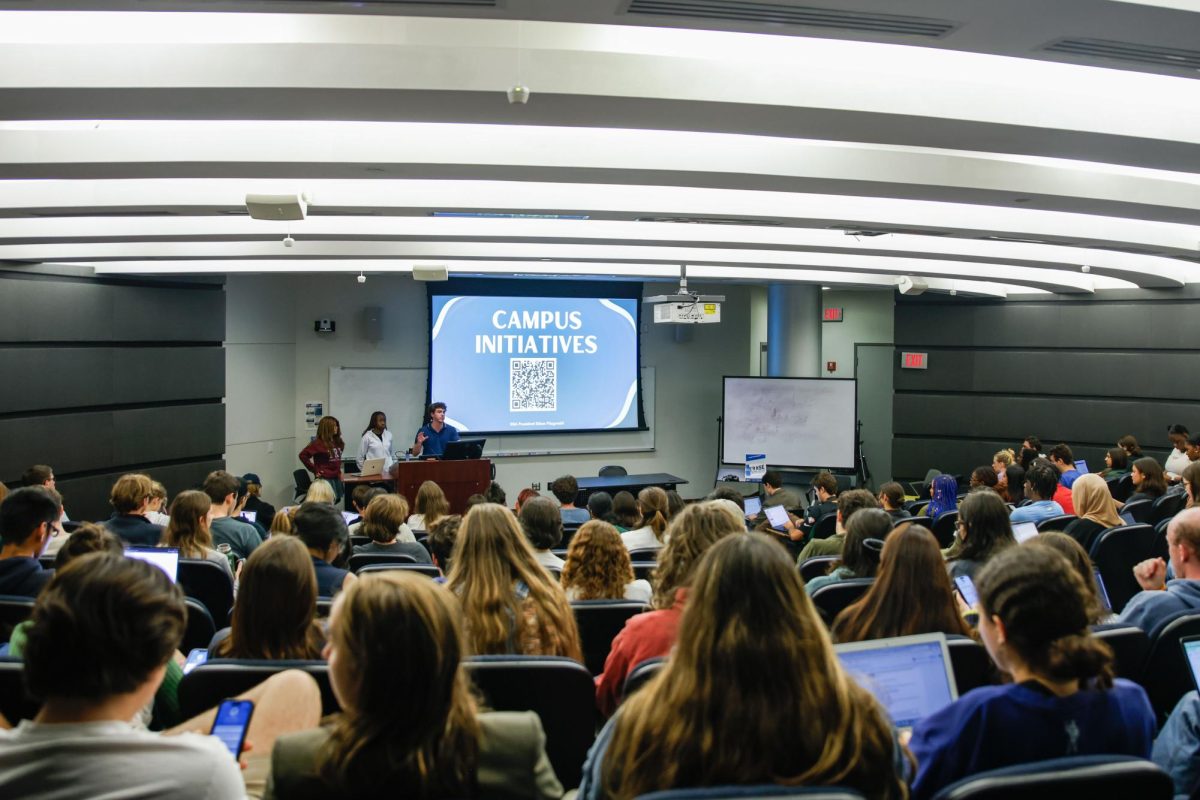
(593, 388)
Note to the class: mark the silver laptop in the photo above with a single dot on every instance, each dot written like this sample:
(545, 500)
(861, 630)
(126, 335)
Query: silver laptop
(372, 466)
(911, 676)
(1024, 531)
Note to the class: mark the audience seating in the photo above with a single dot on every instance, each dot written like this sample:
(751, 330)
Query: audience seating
(360, 560)
(644, 569)
(209, 584)
(613, 471)
(428, 570)
(1056, 523)
(971, 664)
(13, 611)
(15, 702)
(48, 562)
(641, 674)
(832, 598)
(825, 527)
(1166, 671)
(944, 527)
(303, 482)
(1130, 647)
(645, 554)
(560, 690)
(200, 626)
(221, 678)
(359, 541)
(324, 605)
(916, 519)
(1138, 509)
(1116, 551)
(817, 566)
(599, 622)
(1066, 779)
(1121, 488)
(561, 552)
(773, 790)
(1166, 507)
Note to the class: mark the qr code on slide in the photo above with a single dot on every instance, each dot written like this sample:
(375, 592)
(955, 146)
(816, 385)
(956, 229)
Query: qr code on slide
(533, 384)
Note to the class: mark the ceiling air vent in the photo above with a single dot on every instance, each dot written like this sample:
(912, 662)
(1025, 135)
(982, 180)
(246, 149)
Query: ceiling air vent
(1128, 52)
(787, 14)
(768, 223)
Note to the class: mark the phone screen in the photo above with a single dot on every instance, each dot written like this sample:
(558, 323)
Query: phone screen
(967, 589)
(195, 658)
(233, 718)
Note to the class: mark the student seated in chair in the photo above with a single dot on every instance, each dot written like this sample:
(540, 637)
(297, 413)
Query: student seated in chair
(383, 522)
(891, 498)
(130, 499)
(102, 634)
(1041, 482)
(565, 490)
(27, 519)
(848, 504)
(222, 490)
(322, 529)
(1160, 597)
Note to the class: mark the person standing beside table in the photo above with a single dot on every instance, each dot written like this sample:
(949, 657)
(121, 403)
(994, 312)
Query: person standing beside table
(434, 433)
(323, 455)
(376, 442)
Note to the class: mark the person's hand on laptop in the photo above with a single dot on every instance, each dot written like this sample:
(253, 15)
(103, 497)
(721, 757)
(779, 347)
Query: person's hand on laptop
(1151, 574)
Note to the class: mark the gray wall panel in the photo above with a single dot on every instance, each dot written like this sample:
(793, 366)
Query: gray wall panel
(68, 442)
(167, 434)
(87, 498)
(168, 314)
(53, 311)
(168, 373)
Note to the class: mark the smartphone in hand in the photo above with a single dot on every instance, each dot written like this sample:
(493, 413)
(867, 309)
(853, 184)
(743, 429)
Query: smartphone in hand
(967, 589)
(232, 722)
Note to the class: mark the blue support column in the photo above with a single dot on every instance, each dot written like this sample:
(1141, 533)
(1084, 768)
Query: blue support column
(794, 330)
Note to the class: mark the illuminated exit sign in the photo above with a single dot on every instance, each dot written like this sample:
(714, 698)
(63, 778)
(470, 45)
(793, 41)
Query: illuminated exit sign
(832, 315)
(914, 360)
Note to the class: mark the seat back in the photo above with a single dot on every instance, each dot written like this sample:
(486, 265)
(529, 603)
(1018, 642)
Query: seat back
(747, 792)
(1168, 675)
(1138, 509)
(599, 622)
(916, 519)
(971, 664)
(1166, 507)
(324, 606)
(303, 482)
(1130, 647)
(644, 570)
(360, 560)
(817, 566)
(1061, 778)
(358, 541)
(221, 678)
(832, 598)
(1057, 523)
(1116, 551)
(641, 674)
(13, 611)
(826, 526)
(560, 690)
(943, 528)
(613, 471)
(15, 703)
(428, 570)
(1123, 488)
(200, 626)
(645, 554)
(208, 583)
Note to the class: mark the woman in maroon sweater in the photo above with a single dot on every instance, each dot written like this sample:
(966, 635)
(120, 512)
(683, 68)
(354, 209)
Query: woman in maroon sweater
(323, 456)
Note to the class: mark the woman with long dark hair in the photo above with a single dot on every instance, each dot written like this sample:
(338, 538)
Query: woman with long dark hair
(188, 529)
(409, 725)
(1149, 480)
(376, 441)
(323, 455)
(983, 531)
(752, 693)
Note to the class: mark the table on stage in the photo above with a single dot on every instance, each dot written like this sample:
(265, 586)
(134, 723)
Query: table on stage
(627, 483)
(458, 479)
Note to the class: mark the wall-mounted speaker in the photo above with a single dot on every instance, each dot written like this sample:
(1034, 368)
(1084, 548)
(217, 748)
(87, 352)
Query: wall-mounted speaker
(910, 285)
(430, 272)
(373, 323)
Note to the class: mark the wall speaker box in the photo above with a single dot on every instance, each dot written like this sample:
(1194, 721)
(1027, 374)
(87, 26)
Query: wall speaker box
(373, 323)
(914, 286)
(430, 272)
(277, 207)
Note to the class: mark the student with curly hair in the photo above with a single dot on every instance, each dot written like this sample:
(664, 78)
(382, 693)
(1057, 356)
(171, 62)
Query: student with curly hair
(598, 567)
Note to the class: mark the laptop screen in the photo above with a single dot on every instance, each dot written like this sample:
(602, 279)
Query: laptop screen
(1023, 531)
(1081, 465)
(1103, 591)
(753, 506)
(1191, 651)
(349, 516)
(250, 516)
(778, 517)
(165, 558)
(909, 675)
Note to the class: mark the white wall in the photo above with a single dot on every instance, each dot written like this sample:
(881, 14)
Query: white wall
(260, 381)
(687, 374)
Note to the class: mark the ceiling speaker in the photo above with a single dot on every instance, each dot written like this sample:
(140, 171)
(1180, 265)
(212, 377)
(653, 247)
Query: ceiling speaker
(277, 207)
(910, 285)
(430, 272)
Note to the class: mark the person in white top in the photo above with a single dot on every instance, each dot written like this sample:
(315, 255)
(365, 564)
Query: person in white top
(93, 675)
(653, 505)
(543, 527)
(598, 567)
(376, 442)
(1178, 460)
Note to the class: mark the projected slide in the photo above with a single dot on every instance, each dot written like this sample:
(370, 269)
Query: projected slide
(535, 364)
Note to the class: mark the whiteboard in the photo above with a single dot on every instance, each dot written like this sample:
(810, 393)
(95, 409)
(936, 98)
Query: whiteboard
(355, 392)
(796, 422)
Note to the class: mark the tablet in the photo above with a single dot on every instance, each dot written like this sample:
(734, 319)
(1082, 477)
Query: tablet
(777, 516)
(753, 507)
(165, 558)
(250, 516)
(1024, 531)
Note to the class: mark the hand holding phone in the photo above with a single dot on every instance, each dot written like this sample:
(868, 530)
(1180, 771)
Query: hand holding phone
(232, 722)
(966, 587)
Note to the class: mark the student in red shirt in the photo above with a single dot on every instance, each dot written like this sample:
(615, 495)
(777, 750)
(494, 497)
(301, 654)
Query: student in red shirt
(323, 456)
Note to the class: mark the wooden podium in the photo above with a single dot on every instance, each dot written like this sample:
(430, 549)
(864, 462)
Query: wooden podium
(458, 479)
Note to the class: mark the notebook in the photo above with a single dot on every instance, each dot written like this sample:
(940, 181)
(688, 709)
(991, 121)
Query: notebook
(165, 558)
(753, 507)
(910, 676)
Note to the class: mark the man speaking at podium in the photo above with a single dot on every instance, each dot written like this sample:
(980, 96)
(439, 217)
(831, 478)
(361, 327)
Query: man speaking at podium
(434, 434)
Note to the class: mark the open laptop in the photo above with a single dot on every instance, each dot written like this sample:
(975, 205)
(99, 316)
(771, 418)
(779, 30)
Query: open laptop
(372, 466)
(911, 676)
(1024, 531)
(1191, 654)
(1103, 590)
(165, 558)
(463, 450)
(778, 517)
(753, 507)
(1081, 465)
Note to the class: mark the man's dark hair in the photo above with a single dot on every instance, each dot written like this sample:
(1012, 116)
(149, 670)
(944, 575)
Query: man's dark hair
(566, 489)
(37, 475)
(599, 505)
(1034, 442)
(1177, 430)
(894, 493)
(826, 481)
(495, 494)
(1042, 478)
(730, 494)
(475, 500)
(364, 493)
(319, 525)
(542, 522)
(88, 538)
(101, 627)
(441, 539)
(220, 484)
(848, 503)
(24, 510)
(1062, 453)
(773, 479)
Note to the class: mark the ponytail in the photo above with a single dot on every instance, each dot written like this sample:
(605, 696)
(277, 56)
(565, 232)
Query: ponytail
(1081, 657)
(653, 503)
(658, 524)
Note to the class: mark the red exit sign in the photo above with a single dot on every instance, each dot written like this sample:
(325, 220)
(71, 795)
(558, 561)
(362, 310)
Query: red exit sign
(833, 315)
(914, 360)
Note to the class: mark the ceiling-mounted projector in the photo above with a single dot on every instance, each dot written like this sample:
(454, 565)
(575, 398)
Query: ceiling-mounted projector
(684, 307)
(277, 207)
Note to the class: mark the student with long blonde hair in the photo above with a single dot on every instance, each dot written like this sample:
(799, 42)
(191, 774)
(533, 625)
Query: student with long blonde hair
(188, 529)
(751, 694)
(654, 507)
(598, 566)
(393, 631)
(510, 602)
(431, 505)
